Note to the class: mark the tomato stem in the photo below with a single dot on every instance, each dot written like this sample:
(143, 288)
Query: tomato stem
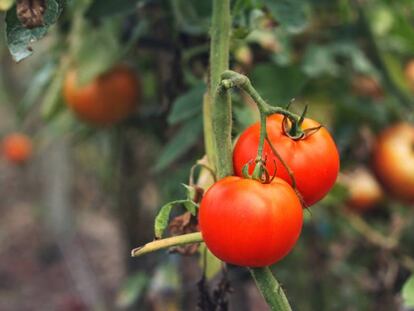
(270, 289)
(230, 79)
(218, 108)
(168, 242)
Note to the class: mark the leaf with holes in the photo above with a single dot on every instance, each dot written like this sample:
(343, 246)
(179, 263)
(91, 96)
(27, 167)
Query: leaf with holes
(19, 37)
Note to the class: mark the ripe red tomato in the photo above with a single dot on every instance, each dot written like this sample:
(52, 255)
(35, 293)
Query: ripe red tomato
(394, 160)
(106, 100)
(17, 148)
(247, 223)
(314, 160)
(364, 190)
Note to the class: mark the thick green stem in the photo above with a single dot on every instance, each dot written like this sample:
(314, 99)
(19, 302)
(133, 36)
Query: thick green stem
(220, 103)
(270, 289)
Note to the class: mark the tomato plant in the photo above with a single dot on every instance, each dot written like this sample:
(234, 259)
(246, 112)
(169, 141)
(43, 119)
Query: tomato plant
(247, 223)
(17, 148)
(108, 99)
(394, 160)
(313, 159)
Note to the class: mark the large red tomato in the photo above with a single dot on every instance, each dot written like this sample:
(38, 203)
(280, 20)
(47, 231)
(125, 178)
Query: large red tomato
(106, 100)
(314, 160)
(394, 160)
(247, 223)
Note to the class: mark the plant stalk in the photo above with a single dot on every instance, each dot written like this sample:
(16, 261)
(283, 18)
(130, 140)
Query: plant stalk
(219, 107)
(270, 289)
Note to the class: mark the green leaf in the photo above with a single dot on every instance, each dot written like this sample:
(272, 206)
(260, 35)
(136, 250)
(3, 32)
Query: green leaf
(408, 292)
(131, 290)
(191, 207)
(184, 139)
(37, 87)
(19, 38)
(53, 100)
(278, 85)
(101, 9)
(319, 60)
(161, 221)
(97, 50)
(188, 104)
(291, 14)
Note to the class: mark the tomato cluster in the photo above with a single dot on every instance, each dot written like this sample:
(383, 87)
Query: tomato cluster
(252, 223)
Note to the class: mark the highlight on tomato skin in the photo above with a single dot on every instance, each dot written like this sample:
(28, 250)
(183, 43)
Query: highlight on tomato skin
(393, 160)
(108, 99)
(247, 223)
(17, 148)
(314, 160)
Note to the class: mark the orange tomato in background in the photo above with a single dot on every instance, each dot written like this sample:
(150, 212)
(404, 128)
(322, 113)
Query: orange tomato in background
(363, 189)
(106, 100)
(17, 148)
(394, 160)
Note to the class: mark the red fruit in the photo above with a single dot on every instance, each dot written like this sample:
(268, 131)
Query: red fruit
(314, 159)
(106, 100)
(247, 223)
(17, 148)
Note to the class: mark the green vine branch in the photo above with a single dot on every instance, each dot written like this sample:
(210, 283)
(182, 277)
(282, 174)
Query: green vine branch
(166, 243)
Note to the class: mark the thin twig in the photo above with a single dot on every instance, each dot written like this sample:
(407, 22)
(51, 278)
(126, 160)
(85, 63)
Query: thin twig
(168, 242)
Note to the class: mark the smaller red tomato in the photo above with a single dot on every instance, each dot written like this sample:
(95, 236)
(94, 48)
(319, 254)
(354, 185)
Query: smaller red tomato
(364, 190)
(314, 159)
(247, 223)
(17, 148)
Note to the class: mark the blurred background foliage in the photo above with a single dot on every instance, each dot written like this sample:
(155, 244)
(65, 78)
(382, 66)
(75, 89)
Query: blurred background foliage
(346, 60)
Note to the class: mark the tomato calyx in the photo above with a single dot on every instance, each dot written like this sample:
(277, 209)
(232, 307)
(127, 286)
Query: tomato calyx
(260, 171)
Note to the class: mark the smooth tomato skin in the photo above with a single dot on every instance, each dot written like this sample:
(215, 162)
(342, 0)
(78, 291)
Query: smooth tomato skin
(394, 160)
(314, 160)
(106, 100)
(247, 223)
(17, 148)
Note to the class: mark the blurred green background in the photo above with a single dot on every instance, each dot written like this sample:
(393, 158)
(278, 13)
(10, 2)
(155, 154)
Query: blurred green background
(88, 195)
